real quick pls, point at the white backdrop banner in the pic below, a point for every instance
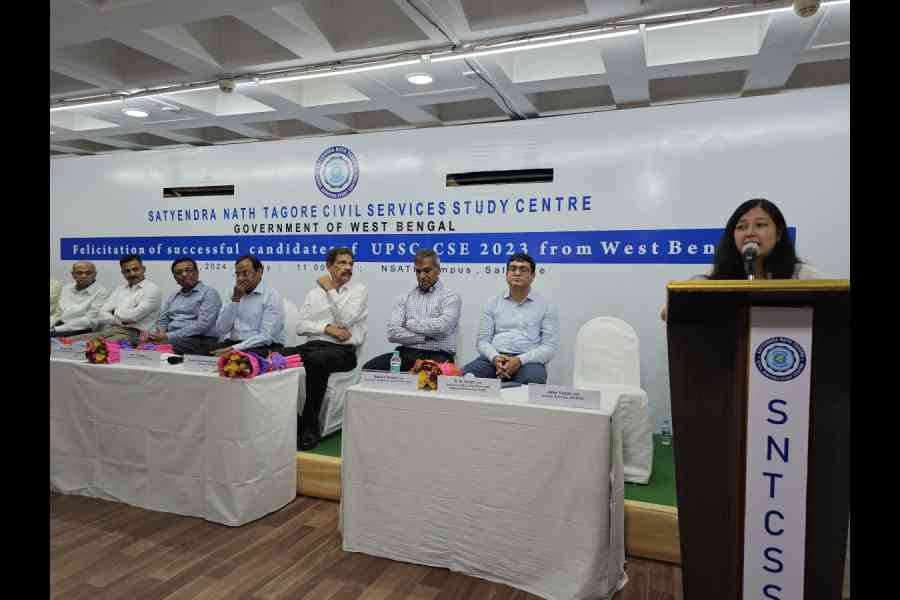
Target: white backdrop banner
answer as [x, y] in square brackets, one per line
[637, 198]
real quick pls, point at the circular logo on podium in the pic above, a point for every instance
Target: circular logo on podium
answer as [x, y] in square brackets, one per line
[780, 359]
[337, 172]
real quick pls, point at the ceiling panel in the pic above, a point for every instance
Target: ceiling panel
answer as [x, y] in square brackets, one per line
[127, 47]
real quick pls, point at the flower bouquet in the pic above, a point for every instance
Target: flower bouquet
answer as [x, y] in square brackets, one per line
[102, 352]
[429, 370]
[245, 365]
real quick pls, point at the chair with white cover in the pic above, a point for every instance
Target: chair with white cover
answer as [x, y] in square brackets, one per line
[331, 415]
[291, 317]
[607, 358]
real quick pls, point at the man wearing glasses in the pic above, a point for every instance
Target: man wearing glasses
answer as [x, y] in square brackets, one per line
[519, 330]
[254, 318]
[423, 321]
[188, 317]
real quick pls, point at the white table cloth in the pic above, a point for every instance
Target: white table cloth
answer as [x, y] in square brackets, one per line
[525, 495]
[633, 411]
[166, 439]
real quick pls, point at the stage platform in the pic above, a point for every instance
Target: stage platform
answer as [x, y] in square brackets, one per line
[651, 516]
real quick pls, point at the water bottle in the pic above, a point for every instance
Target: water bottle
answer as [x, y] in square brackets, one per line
[395, 362]
[666, 437]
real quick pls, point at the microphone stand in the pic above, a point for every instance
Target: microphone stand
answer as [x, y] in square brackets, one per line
[748, 266]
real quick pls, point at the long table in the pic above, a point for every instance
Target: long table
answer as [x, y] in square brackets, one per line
[633, 414]
[526, 495]
[171, 440]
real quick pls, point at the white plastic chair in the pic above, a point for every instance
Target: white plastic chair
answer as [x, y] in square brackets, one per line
[607, 358]
[291, 317]
[607, 351]
[331, 415]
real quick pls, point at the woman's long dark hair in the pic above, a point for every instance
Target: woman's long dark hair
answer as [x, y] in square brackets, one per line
[728, 263]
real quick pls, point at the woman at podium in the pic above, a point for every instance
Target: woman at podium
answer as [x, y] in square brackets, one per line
[756, 245]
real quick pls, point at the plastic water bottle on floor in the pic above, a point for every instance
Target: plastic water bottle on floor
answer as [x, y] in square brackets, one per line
[666, 438]
[395, 362]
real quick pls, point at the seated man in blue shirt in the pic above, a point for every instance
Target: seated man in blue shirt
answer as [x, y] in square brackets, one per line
[519, 330]
[254, 318]
[187, 319]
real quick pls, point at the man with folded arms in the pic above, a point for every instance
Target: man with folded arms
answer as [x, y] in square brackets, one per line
[253, 320]
[80, 302]
[423, 321]
[188, 317]
[131, 308]
[333, 319]
[519, 330]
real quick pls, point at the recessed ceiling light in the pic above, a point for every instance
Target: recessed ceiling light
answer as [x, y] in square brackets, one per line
[419, 78]
[133, 112]
[171, 109]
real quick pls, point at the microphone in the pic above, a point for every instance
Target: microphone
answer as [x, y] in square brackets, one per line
[750, 250]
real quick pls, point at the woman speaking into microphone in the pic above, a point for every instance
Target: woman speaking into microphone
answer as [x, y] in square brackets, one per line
[756, 245]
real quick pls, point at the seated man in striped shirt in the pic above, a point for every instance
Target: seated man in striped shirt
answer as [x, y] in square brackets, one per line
[423, 321]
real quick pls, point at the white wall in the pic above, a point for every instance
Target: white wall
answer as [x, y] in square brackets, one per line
[655, 172]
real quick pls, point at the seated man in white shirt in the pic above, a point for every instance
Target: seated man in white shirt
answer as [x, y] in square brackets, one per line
[55, 294]
[132, 307]
[80, 302]
[333, 319]
[253, 319]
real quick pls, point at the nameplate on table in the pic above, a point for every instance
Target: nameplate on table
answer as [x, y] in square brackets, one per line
[469, 386]
[390, 381]
[564, 396]
[201, 363]
[69, 351]
[140, 358]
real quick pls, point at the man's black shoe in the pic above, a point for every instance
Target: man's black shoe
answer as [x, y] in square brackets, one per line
[309, 440]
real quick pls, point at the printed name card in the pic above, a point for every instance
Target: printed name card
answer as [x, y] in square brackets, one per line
[469, 386]
[73, 351]
[564, 396]
[201, 363]
[391, 381]
[140, 358]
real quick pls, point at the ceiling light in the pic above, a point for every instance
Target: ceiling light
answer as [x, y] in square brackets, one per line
[168, 108]
[134, 112]
[537, 42]
[199, 88]
[333, 71]
[751, 13]
[419, 78]
[84, 104]
[52, 132]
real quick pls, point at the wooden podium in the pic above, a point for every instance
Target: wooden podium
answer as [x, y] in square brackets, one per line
[709, 360]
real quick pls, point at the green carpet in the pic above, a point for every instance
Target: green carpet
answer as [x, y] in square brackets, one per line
[329, 446]
[660, 489]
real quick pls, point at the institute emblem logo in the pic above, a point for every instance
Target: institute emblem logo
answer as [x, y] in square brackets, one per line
[337, 172]
[780, 359]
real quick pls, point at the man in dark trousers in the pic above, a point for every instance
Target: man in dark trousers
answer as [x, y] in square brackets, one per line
[333, 319]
